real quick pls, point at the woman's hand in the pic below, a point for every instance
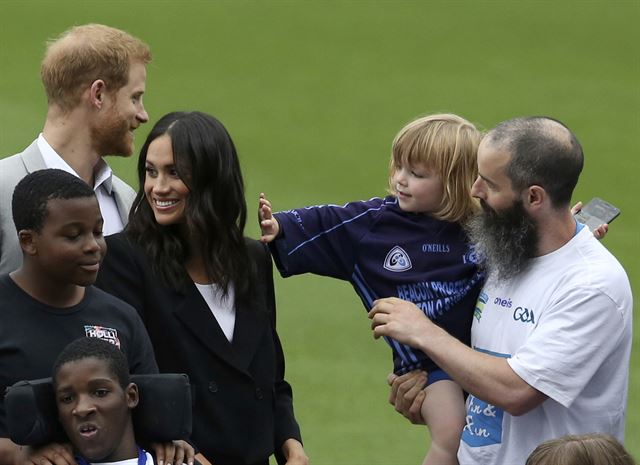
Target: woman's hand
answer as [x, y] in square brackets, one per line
[173, 453]
[294, 452]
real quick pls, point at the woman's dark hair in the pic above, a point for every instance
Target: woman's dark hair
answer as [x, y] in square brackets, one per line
[206, 161]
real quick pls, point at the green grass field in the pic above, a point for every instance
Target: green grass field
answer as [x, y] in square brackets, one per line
[313, 93]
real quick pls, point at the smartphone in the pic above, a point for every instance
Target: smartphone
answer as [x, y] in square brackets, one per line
[596, 212]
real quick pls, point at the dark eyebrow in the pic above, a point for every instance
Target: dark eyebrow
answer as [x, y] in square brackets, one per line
[488, 181]
[75, 226]
[101, 381]
[62, 389]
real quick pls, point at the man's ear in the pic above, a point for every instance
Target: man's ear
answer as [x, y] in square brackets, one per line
[132, 395]
[535, 197]
[97, 93]
[28, 243]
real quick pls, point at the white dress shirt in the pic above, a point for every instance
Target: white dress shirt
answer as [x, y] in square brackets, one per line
[102, 185]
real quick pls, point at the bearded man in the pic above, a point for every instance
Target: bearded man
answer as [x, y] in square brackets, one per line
[94, 77]
[551, 335]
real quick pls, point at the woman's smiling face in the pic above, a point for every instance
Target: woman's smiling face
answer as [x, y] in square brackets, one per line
[166, 193]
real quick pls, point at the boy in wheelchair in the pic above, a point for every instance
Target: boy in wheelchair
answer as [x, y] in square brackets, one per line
[95, 398]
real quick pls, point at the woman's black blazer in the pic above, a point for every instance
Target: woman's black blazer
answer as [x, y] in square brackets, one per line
[243, 407]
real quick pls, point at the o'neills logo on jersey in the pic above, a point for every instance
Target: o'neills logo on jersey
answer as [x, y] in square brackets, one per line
[397, 260]
[106, 334]
[436, 248]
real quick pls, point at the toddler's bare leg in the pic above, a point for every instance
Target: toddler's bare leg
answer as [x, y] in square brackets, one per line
[444, 412]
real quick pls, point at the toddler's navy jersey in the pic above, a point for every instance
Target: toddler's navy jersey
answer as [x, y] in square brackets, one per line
[386, 252]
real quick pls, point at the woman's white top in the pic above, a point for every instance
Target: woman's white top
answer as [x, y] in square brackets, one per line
[222, 307]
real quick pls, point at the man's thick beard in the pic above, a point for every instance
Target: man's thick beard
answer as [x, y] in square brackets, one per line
[112, 136]
[504, 241]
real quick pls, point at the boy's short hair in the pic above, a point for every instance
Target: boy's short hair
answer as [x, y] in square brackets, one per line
[83, 54]
[91, 347]
[30, 197]
[447, 144]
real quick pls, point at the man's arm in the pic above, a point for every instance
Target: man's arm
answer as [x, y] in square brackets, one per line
[485, 376]
[8, 452]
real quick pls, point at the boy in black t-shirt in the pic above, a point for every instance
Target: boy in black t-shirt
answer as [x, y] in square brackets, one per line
[49, 301]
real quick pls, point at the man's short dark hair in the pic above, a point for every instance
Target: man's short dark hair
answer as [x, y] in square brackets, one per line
[91, 347]
[544, 152]
[30, 197]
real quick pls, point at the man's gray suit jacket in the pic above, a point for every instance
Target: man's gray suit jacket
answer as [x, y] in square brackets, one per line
[12, 170]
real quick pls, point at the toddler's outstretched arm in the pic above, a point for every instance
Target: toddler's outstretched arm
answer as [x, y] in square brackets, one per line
[268, 224]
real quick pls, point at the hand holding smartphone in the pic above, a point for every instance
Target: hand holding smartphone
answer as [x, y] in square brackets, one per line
[597, 212]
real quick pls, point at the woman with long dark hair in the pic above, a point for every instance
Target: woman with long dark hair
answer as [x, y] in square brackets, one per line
[205, 292]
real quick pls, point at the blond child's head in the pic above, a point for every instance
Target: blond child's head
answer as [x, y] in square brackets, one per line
[435, 154]
[585, 449]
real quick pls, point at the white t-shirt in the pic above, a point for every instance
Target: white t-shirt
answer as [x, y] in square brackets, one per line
[565, 325]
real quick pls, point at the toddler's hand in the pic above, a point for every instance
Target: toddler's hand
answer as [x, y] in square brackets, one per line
[407, 394]
[268, 224]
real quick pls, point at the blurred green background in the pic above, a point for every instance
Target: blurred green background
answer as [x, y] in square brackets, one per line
[314, 92]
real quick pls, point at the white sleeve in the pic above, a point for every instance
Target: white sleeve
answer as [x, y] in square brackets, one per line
[571, 341]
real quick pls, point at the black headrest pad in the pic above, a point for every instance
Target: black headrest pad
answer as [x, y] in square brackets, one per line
[164, 412]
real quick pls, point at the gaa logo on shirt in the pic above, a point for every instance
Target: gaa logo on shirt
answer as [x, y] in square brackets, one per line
[106, 334]
[397, 260]
[524, 315]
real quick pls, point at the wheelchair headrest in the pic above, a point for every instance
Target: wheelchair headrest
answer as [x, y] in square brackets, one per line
[164, 411]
